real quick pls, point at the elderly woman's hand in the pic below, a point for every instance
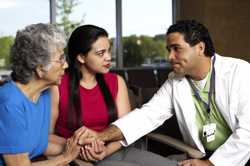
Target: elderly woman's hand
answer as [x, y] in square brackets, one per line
[93, 152]
[72, 148]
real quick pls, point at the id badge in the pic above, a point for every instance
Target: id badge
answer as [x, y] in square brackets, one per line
[209, 131]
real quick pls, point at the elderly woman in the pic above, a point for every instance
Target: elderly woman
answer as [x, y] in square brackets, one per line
[38, 62]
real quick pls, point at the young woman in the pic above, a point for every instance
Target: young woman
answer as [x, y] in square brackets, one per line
[90, 96]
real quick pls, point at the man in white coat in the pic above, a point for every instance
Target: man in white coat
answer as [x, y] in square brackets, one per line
[208, 93]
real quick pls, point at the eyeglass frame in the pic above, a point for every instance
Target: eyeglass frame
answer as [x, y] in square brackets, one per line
[61, 60]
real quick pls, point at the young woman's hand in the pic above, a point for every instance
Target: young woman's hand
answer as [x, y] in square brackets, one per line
[94, 152]
[195, 162]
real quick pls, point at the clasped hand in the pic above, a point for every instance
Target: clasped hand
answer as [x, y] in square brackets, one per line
[91, 149]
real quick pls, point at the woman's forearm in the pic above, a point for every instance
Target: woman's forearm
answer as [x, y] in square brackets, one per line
[57, 139]
[60, 160]
[54, 149]
[56, 145]
[23, 160]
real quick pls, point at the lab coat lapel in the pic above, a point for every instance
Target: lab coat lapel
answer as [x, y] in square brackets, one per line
[221, 92]
[184, 96]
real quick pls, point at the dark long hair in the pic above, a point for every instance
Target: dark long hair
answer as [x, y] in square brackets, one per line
[80, 42]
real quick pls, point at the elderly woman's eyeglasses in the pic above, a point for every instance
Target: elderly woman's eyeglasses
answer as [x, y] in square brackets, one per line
[61, 60]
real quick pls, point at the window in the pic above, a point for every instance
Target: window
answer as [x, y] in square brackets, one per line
[144, 26]
[15, 15]
[100, 13]
[142, 17]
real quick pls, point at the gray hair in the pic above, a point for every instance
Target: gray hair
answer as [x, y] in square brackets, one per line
[34, 46]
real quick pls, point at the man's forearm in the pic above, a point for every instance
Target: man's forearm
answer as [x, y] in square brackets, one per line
[112, 133]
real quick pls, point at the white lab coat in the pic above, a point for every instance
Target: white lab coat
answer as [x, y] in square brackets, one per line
[232, 88]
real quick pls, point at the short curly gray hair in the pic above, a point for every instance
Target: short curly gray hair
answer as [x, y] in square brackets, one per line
[33, 46]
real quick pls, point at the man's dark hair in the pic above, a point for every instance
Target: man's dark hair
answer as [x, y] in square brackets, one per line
[194, 32]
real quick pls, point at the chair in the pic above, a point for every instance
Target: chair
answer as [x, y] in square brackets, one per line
[121, 72]
[162, 75]
[142, 77]
[175, 143]
[168, 138]
[143, 83]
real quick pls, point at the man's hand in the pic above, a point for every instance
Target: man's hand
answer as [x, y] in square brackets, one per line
[86, 135]
[195, 162]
